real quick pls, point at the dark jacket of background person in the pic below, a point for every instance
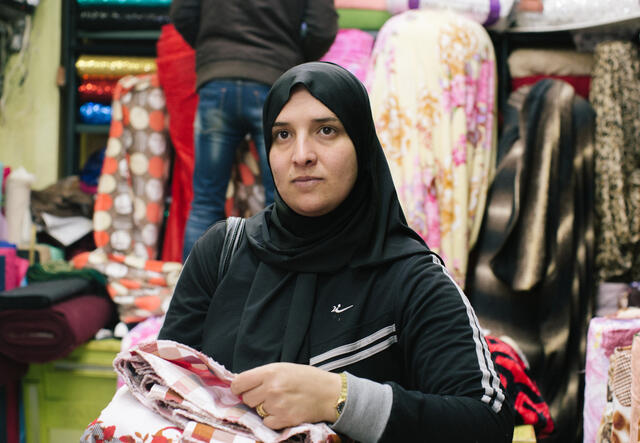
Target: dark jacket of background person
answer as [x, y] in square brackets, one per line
[254, 39]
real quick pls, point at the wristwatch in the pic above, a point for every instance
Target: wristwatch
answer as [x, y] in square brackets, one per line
[342, 400]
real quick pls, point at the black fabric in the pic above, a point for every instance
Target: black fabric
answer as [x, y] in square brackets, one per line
[110, 18]
[382, 307]
[43, 294]
[533, 265]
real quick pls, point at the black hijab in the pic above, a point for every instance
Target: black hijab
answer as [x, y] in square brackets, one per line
[367, 229]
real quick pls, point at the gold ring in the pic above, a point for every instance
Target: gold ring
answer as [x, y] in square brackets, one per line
[261, 412]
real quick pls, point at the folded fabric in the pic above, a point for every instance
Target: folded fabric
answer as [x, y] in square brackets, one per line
[581, 83]
[605, 334]
[527, 61]
[45, 293]
[192, 391]
[125, 419]
[522, 390]
[41, 335]
[635, 385]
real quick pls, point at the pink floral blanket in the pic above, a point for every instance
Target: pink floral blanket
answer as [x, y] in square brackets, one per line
[185, 391]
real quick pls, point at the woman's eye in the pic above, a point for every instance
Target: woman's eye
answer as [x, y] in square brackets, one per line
[281, 135]
[326, 130]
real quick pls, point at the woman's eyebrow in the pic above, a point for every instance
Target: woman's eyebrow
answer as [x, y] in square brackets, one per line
[315, 120]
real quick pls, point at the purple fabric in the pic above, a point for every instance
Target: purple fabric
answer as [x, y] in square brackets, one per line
[42, 335]
[494, 13]
[414, 4]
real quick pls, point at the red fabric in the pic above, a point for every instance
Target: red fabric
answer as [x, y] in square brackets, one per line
[581, 83]
[177, 73]
[11, 370]
[522, 391]
[42, 335]
[13, 418]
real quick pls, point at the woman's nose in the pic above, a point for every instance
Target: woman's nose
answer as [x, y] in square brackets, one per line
[304, 152]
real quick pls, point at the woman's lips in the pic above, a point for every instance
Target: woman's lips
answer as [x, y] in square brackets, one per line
[306, 181]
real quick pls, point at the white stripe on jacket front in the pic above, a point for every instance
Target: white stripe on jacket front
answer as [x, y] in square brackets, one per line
[360, 344]
[490, 380]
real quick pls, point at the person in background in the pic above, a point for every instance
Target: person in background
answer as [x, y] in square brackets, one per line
[242, 47]
[332, 309]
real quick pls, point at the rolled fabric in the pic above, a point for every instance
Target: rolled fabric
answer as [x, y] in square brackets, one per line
[351, 50]
[635, 388]
[379, 5]
[365, 19]
[43, 294]
[113, 67]
[485, 12]
[111, 18]
[124, 2]
[581, 84]
[42, 335]
[96, 90]
[18, 199]
[95, 113]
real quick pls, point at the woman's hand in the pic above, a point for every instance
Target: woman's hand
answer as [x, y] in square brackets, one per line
[289, 393]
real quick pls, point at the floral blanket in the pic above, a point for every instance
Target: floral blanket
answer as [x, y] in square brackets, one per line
[175, 393]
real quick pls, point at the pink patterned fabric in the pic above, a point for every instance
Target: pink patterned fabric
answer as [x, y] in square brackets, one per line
[378, 5]
[604, 336]
[144, 331]
[352, 50]
[190, 390]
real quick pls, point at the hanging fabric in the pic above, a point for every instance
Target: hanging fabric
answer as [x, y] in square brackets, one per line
[615, 96]
[532, 274]
[433, 92]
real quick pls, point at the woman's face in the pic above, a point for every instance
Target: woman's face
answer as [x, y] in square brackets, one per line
[312, 158]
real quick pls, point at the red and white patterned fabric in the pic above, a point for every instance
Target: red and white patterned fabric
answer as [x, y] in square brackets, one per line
[191, 391]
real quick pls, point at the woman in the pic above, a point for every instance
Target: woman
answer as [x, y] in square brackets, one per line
[330, 278]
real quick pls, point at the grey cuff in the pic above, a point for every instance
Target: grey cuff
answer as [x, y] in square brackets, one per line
[366, 411]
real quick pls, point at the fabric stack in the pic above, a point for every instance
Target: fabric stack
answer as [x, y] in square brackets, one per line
[185, 395]
[528, 66]
[99, 74]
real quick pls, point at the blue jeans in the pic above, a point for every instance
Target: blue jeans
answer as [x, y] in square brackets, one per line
[227, 111]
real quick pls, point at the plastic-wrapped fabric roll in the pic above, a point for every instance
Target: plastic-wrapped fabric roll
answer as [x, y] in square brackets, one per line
[365, 19]
[113, 67]
[148, 3]
[362, 4]
[17, 206]
[485, 12]
[95, 113]
[122, 18]
[96, 90]
[351, 50]
[635, 387]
